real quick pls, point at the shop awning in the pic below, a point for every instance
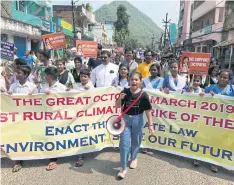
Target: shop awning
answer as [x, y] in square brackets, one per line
[224, 43]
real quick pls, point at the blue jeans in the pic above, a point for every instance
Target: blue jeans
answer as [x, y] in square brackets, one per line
[131, 138]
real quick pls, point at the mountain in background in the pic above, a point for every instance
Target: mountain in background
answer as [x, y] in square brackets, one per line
[141, 26]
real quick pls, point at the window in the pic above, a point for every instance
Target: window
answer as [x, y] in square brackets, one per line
[20, 5]
[221, 14]
[198, 3]
[204, 49]
[198, 49]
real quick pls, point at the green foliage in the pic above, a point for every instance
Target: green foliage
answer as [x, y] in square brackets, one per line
[140, 26]
[121, 25]
[88, 7]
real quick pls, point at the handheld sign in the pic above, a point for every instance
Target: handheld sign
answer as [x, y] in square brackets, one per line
[7, 51]
[194, 63]
[86, 48]
[54, 41]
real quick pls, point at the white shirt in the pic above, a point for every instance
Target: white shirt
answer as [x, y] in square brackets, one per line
[70, 65]
[57, 87]
[80, 87]
[103, 75]
[26, 88]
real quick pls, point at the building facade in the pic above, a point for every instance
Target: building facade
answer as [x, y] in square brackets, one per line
[84, 19]
[172, 33]
[100, 33]
[24, 22]
[184, 22]
[207, 25]
[65, 27]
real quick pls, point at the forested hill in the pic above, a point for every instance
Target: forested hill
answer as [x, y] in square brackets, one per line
[141, 26]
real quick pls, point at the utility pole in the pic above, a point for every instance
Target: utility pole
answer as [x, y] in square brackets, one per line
[152, 45]
[166, 31]
[74, 24]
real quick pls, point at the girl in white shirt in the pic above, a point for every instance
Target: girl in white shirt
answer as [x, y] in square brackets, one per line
[122, 79]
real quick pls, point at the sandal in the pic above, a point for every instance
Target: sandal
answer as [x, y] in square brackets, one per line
[51, 166]
[17, 167]
[133, 164]
[214, 168]
[196, 163]
[79, 162]
[122, 174]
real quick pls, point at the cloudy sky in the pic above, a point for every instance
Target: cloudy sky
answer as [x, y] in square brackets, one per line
[155, 9]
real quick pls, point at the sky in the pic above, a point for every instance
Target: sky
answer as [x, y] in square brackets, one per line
[155, 9]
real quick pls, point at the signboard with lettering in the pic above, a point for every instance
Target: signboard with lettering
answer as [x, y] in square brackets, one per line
[7, 51]
[15, 26]
[54, 41]
[86, 48]
[45, 26]
[194, 63]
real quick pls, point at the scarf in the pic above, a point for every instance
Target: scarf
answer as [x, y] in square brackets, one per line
[156, 85]
[180, 85]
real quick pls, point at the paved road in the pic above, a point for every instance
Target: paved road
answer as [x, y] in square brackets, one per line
[101, 168]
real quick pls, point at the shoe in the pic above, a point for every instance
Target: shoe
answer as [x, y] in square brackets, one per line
[133, 164]
[122, 174]
[196, 163]
[214, 168]
[144, 150]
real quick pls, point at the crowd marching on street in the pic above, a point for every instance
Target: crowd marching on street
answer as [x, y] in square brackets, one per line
[76, 74]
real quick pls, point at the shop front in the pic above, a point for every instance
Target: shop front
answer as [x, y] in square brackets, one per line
[24, 36]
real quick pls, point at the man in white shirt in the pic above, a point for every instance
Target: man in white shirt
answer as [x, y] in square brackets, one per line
[104, 74]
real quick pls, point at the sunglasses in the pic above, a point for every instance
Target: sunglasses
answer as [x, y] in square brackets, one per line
[104, 57]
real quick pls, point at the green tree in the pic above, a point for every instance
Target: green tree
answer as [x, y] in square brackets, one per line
[88, 7]
[121, 25]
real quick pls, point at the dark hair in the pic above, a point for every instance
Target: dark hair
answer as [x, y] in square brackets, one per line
[68, 53]
[106, 52]
[136, 73]
[61, 60]
[44, 53]
[158, 68]
[147, 51]
[122, 65]
[185, 58]
[78, 58]
[31, 52]
[20, 62]
[53, 72]
[174, 62]
[26, 70]
[197, 76]
[226, 71]
[85, 72]
[128, 49]
[212, 69]
[99, 46]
